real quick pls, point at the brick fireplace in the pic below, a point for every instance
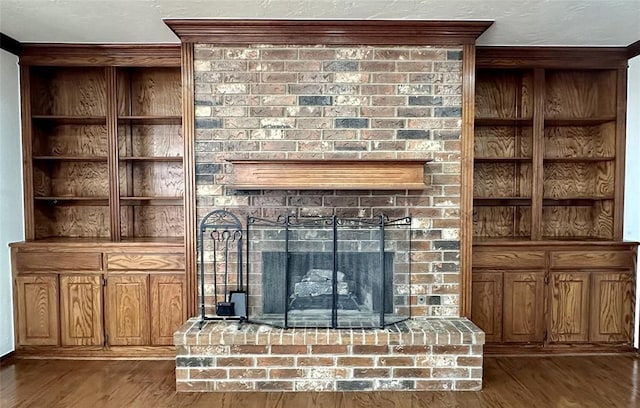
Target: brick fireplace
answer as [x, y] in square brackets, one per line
[290, 102]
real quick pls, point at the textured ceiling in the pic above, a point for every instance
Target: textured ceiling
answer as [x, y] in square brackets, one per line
[517, 22]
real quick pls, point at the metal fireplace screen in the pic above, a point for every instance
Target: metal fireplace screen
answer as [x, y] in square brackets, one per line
[328, 271]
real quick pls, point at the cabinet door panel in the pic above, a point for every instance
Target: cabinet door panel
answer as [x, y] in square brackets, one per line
[168, 309]
[37, 310]
[486, 305]
[128, 310]
[81, 310]
[523, 306]
[611, 307]
[569, 307]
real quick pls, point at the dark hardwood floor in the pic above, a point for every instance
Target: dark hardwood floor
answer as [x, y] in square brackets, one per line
[582, 381]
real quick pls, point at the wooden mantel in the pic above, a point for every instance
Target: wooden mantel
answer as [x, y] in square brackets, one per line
[328, 174]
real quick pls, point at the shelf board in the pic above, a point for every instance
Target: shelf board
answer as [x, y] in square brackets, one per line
[573, 201]
[152, 119]
[77, 200]
[501, 201]
[503, 121]
[72, 119]
[152, 200]
[72, 158]
[152, 158]
[329, 174]
[577, 159]
[501, 159]
[578, 121]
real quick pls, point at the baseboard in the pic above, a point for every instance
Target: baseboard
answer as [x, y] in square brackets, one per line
[7, 359]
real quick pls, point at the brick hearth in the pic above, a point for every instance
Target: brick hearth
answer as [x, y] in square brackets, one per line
[429, 354]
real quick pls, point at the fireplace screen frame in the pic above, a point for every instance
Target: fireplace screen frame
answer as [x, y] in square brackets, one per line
[285, 226]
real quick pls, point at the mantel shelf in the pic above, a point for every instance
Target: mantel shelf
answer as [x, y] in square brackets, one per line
[329, 174]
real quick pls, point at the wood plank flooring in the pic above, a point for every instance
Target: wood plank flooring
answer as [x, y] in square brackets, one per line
[581, 381]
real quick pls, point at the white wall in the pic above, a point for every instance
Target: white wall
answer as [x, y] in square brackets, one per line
[632, 176]
[11, 214]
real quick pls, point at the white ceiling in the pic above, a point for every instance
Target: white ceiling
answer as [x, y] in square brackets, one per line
[517, 22]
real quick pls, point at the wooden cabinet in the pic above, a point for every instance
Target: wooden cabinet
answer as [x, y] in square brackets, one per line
[103, 266]
[37, 310]
[579, 294]
[133, 296]
[103, 143]
[524, 307]
[569, 320]
[81, 310]
[548, 147]
[127, 310]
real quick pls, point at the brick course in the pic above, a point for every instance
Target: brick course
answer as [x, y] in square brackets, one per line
[431, 354]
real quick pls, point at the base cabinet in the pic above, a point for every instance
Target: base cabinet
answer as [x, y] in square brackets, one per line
[81, 310]
[36, 299]
[576, 295]
[127, 296]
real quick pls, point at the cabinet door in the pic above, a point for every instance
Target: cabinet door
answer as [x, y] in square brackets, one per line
[37, 310]
[523, 306]
[486, 305]
[127, 316]
[81, 310]
[569, 307]
[168, 309]
[611, 307]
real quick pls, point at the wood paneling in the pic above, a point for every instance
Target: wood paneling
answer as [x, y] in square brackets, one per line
[86, 221]
[168, 307]
[593, 141]
[154, 179]
[147, 141]
[569, 308]
[504, 94]
[153, 91]
[100, 54]
[486, 309]
[148, 221]
[570, 180]
[37, 310]
[145, 262]
[509, 259]
[127, 310]
[502, 180]
[346, 32]
[612, 303]
[502, 141]
[580, 94]
[592, 259]
[46, 261]
[68, 92]
[329, 174]
[81, 310]
[66, 140]
[523, 307]
[71, 179]
[579, 222]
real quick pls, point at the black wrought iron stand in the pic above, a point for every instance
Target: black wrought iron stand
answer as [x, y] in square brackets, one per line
[224, 230]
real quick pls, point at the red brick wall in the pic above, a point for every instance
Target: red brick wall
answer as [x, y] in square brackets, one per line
[334, 102]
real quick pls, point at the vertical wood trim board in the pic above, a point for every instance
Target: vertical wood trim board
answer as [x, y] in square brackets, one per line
[537, 153]
[112, 153]
[188, 131]
[466, 193]
[27, 149]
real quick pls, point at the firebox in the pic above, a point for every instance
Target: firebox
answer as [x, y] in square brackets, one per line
[329, 271]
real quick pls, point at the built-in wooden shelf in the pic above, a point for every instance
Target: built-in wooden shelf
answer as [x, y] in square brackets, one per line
[494, 121]
[328, 174]
[501, 159]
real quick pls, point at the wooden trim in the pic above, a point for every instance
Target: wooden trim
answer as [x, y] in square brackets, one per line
[466, 181]
[633, 50]
[27, 152]
[621, 125]
[551, 57]
[339, 32]
[7, 359]
[100, 54]
[113, 153]
[10, 44]
[97, 352]
[539, 96]
[328, 174]
[188, 132]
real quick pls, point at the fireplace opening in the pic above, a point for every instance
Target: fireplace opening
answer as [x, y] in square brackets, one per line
[329, 271]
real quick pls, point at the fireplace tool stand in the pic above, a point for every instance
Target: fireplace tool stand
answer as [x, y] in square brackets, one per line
[223, 232]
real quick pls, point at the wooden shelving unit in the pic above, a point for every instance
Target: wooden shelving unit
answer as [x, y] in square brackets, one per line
[104, 179]
[548, 180]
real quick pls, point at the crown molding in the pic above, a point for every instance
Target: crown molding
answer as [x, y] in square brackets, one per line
[328, 32]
